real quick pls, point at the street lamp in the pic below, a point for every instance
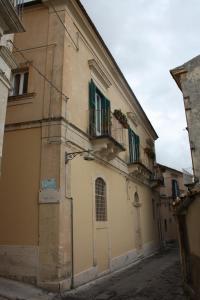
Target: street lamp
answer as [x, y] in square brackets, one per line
[88, 155]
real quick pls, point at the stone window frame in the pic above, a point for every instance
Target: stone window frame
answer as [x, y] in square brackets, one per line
[23, 88]
[101, 200]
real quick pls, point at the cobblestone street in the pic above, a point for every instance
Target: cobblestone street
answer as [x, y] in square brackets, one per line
[155, 278]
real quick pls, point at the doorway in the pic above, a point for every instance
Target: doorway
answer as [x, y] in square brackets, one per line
[138, 232]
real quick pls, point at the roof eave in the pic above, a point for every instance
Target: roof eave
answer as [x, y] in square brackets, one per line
[116, 65]
[176, 74]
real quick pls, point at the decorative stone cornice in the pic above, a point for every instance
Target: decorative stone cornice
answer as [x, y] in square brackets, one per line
[177, 73]
[99, 72]
[133, 117]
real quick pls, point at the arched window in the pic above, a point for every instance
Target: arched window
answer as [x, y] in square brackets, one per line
[136, 198]
[100, 200]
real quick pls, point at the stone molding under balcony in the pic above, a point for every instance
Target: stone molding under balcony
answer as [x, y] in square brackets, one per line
[139, 170]
[106, 147]
[9, 19]
[156, 180]
[4, 79]
[8, 57]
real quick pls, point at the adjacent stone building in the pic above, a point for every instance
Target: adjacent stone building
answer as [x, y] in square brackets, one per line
[9, 23]
[187, 209]
[172, 188]
[78, 178]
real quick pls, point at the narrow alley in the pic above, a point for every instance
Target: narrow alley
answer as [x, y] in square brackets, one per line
[155, 278]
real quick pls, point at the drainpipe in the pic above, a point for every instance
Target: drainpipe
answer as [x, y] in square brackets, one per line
[72, 240]
[72, 230]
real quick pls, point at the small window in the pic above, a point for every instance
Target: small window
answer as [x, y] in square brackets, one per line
[175, 189]
[100, 200]
[153, 208]
[165, 225]
[19, 83]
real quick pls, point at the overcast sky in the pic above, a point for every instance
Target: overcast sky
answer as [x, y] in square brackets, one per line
[147, 39]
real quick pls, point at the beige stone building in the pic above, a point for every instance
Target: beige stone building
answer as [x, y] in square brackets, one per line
[65, 221]
[187, 209]
[9, 24]
[171, 188]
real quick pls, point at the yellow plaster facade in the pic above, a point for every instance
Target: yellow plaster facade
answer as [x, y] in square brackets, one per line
[49, 233]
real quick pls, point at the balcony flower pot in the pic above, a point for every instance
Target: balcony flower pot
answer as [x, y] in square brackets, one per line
[121, 117]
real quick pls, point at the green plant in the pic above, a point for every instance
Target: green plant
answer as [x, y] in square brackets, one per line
[121, 117]
[150, 152]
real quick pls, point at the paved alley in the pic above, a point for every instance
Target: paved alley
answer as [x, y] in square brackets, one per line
[155, 278]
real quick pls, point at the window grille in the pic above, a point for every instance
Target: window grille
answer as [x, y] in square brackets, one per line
[100, 199]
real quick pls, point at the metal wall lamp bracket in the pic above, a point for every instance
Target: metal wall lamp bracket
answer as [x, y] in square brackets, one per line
[70, 156]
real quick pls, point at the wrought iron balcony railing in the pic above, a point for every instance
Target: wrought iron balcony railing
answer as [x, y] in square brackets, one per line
[104, 124]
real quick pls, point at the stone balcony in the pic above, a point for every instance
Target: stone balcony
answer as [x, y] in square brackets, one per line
[139, 170]
[107, 136]
[156, 179]
[10, 11]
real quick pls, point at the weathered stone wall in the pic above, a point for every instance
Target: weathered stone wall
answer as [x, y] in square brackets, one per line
[193, 225]
[195, 274]
[187, 77]
[190, 85]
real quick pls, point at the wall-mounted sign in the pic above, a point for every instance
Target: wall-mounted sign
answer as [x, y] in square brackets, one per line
[49, 196]
[49, 184]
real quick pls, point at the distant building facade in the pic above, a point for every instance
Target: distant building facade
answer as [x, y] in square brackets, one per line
[187, 78]
[171, 189]
[9, 24]
[73, 219]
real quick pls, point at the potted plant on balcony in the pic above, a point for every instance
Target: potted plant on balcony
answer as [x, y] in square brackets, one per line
[121, 117]
[150, 152]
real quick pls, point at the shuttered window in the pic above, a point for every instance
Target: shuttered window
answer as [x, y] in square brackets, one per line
[134, 146]
[99, 112]
[175, 189]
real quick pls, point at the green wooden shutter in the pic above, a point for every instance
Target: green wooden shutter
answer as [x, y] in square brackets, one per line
[131, 150]
[137, 147]
[92, 92]
[134, 146]
[105, 116]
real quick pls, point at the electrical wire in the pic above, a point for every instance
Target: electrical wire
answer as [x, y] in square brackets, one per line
[39, 72]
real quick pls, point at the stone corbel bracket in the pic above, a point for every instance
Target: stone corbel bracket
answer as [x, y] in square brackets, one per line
[106, 148]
